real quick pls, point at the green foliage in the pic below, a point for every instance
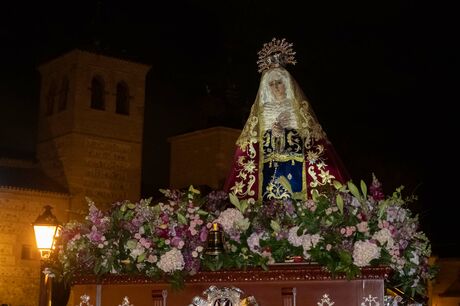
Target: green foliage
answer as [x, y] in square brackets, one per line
[341, 227]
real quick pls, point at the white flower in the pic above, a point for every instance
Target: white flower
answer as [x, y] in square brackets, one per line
[315, 239]
[355, 202]
[384, 236]
[268, 255]
[242, 225]
[230, 218]
[362, 227]
[47, 271]
[307, 241]
[139, 250]
[310, 241]
[171, 261]
[254, 242]
[293, 238]
[416, 281]
[415, 258]
[364, 252]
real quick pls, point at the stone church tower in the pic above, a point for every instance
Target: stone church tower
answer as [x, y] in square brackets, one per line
[90, 126]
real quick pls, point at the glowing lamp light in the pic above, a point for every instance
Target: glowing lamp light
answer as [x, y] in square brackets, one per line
[46, 228]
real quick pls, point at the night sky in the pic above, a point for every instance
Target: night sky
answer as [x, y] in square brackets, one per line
[378, 74]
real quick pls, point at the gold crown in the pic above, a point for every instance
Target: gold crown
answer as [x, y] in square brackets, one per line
[275, 53]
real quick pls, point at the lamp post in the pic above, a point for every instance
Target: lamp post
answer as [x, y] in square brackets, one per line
[46, 228]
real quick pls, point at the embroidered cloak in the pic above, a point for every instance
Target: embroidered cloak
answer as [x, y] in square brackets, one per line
[282, 149]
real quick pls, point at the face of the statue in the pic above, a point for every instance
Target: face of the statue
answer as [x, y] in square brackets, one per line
[278, 89]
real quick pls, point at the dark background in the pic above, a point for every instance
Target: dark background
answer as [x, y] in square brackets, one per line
[380, 76]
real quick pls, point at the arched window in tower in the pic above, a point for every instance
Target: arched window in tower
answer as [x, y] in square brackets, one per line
[122, 103]
[50, 99]
[97, 93]
[63, 94]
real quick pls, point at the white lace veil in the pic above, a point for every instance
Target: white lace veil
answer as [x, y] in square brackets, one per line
[307, 124]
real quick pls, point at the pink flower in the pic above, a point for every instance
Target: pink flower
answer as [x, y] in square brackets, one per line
[145, 243]
[152, 258]
[204, 234]
[165, 218]
[95, 236]
[362, 227]
[347, 231]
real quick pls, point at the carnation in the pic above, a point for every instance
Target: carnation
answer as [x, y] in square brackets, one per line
[364, 252]
[171, 261]
[170, 237]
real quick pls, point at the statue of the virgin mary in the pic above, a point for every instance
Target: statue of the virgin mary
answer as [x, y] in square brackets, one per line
[282, 150]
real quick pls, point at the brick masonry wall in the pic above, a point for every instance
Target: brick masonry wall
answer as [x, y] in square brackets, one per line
[19, 257]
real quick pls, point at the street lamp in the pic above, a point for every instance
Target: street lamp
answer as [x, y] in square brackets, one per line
[46, 229]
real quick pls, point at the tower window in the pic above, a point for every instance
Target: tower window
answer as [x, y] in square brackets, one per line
[50, 98]
[97, 93]
[122, 102]
[63, 95]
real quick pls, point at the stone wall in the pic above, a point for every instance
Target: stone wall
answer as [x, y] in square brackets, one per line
[446, 282]
[104, 170]
[91, 152]
[95, 153]
[19, 257]
[202, 157]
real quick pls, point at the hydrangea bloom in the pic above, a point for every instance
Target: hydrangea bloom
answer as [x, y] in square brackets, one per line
[364, 252]
[171, 261]
[346, 228]
[233, 222]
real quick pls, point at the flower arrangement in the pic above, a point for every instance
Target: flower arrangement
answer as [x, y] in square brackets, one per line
[341, 227]
[154, 240]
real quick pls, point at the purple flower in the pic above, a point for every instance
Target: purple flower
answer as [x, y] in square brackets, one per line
[192, 264]
[175, 241]
[203, 234]
[95, 236]
[216, 201]
[376, 190]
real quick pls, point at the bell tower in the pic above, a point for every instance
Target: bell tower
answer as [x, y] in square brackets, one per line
[90, 126]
